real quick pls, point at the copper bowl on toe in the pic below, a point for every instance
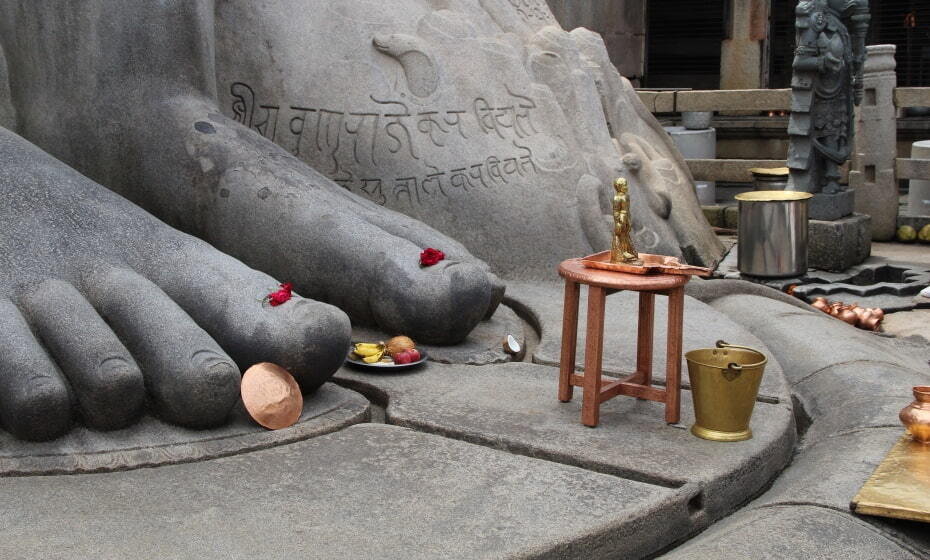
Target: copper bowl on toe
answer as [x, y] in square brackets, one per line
[271, 396]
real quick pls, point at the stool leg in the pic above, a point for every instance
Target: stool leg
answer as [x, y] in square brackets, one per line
[676, 311]
[569, 340]
[593, 350]
[644, 338]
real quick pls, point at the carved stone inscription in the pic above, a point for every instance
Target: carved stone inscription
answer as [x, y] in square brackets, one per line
[533, 10]
[347, 141]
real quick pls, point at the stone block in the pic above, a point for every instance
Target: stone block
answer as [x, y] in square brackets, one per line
[857, 394]
[779, 532]
[909, 323]
[152, 442]
[797, 337]
[830, 472]
[658, 101]
[879, 200]
[709, 290]
[714, 215]
[514, 407]
[731, 217]
[825, 206]
[739, 99]
[839, 244]
[370, 491]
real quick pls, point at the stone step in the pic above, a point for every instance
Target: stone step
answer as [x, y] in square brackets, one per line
[369, 491]
[152, 442]
[514, 407]
[792, 531]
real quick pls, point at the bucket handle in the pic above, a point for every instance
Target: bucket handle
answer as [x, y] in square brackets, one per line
[736, 367]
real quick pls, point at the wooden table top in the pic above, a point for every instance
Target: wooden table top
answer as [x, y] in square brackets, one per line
[573, 270]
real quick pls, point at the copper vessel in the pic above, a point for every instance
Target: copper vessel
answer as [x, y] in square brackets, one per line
[916, 416]
[271, 396]
[863, 317]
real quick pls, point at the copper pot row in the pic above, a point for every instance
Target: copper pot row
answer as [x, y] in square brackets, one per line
[867, 318]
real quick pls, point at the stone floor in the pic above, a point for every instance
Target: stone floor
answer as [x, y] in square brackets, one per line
[458, 460]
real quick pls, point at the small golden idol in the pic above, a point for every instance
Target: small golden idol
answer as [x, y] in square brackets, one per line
[622, 249]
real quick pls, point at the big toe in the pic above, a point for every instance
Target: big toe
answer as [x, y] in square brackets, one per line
[306, 337]
[438, 304]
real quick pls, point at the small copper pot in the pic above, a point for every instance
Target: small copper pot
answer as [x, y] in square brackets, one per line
[868, 320]
[849, 316]
[822, 304]
[916, 416]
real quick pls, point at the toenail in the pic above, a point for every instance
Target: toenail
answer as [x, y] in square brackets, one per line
[205, 127]
[208, 359]
[113, 363]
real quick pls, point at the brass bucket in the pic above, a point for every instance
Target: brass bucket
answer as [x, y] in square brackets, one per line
[724, 385]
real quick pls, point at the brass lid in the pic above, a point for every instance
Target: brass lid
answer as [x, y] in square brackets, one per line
[773, 196]
[777, 171]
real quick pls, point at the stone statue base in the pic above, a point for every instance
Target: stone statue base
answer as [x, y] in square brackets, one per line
[835, 245]
[831, 206]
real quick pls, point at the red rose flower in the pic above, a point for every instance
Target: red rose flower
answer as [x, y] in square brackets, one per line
[281, 296]
[431, 256]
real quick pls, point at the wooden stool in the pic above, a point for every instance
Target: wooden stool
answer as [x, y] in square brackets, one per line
[597, 389]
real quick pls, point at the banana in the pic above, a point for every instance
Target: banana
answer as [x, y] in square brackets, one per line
[374, 358]
[365, 349]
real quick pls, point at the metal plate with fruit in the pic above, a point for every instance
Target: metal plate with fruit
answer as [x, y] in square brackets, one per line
[398, 353]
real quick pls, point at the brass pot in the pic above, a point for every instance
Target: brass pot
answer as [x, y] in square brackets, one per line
[724, 385]
[916, 416]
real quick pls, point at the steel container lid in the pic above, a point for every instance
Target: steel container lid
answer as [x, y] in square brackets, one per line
[773, 196]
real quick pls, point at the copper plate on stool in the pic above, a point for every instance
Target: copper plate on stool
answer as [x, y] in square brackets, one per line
[900, 486]
[651, 264]
[271, 396]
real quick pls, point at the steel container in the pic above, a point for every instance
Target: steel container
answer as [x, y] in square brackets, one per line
[772, 233]
[724, 385]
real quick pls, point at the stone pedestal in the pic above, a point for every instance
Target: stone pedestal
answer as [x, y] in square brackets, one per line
[872, 170]
[839, 244]
[831, 206]
[918, 196]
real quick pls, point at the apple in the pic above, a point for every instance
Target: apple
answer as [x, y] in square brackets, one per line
[402, 357]
[406, 356]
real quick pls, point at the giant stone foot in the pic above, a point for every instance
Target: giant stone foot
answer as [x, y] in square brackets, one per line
[482, 118]
[149, 127]
[104, 308]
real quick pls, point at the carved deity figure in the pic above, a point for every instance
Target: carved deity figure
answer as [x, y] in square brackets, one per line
[827, 82]
[622, 249]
